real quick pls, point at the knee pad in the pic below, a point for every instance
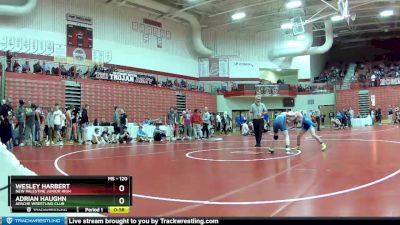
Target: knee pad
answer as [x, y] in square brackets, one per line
[276, 137]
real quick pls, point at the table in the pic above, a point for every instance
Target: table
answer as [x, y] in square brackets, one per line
[361, 122]
[132, 129]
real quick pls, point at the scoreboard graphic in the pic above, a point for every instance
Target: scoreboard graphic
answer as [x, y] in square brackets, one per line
[79, 45]
[93, 194]
[79, 36]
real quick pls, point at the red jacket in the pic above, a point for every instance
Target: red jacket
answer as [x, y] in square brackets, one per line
[196, 118]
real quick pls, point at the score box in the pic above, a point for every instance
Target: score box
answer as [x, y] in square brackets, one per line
[68, 192]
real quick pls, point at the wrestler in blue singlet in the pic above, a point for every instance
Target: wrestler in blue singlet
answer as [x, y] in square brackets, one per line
[280, 123]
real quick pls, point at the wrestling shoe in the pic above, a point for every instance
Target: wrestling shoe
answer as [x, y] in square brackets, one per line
[297, 148]
[289, 151]
[271, 150]
[323, 146]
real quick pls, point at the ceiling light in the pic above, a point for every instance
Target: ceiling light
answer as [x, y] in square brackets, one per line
[337, 18]
[278, 69]
[386, 13]
[286, 26]
[293, 4]
[238, 15]
[300, 37]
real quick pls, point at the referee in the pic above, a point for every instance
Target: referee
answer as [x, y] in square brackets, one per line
[257, 110]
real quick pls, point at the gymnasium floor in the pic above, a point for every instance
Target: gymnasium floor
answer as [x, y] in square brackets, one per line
[356, 176]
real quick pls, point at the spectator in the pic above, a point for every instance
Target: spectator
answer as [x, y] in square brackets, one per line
[58, 118]
[108, 138]
[83, 123]
[74, 120]
[187, 124]
[197, 121]
[21, 122]
[26, 68]
[206, 123]
[38, 122]
[172, 121]
[159, 135]
[50, 126]
[141, 135]
[390, 114]
[37, 68]
[5, 125]
[97, 138]
[46, 68]
[123, 119]
[9, 57]
[125, 137]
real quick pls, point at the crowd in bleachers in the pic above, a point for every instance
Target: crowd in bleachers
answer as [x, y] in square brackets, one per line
[68, 71]
[373, 72]
[332, 74]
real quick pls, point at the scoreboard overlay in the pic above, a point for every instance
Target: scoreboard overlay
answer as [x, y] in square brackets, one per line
[98, 194]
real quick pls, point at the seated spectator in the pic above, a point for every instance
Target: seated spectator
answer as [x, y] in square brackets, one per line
[37, 68]
[63, 71]
[17, 68]
[97, 138]
[46, 68]
[26, 68]
[245, 129]
[159, 135]
[107, 137]
[55, 71]
[141, 135]
[125, 137]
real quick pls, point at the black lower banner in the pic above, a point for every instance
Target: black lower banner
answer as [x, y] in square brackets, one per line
[241, 220]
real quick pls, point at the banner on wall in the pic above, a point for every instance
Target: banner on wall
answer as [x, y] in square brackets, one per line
[203, 67]
[390, 81]
[79, 44]
[213, 67]
[242, 68]
[60, 53]
[127, 77]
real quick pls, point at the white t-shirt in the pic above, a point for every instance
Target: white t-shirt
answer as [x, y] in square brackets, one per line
[373, 77]
[58, 116]
[218, 118]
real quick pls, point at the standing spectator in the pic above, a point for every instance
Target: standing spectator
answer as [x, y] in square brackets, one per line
[373, 116]
[38, 122]
[75, 120]
[390, 114]
[351, 115]
[5, 125]
[323, 119]
[224, 123]
[83, 123]
[116, 119]
[317, 115]
[171, 118]
[58, 117]
[197, 121]
[206, 123]
[379, 116]
[331, 116]
[9, 57]
[68, 123]
[218, 121]
[50, 126]
[123, 120]
[30, 123]
[187, 124]
[21, 122]
[257, 110]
